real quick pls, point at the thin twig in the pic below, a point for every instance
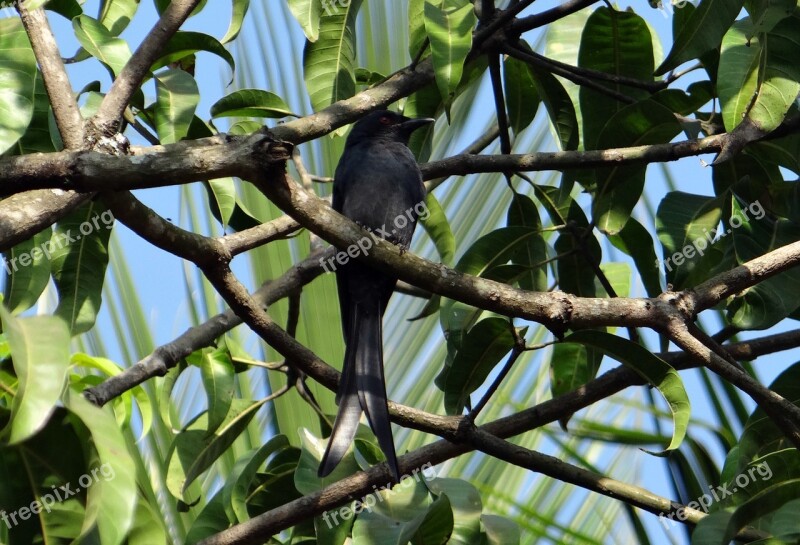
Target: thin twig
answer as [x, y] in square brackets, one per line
[567, 74]
[133, 73]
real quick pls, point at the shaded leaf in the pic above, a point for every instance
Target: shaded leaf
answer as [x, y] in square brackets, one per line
[18, 66]
[80, 257]
[483, 348]
[250, 103]
[650, 367]
[702, 32]
[40, 352]
[522, 97]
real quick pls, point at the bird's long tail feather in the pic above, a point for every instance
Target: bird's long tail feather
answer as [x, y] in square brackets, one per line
[362, 388]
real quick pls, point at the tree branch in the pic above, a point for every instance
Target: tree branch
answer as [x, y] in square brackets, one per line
[106, 120]
[56, 82]
[546, 17]
[568, 473]
[784, 413]
[222, 155]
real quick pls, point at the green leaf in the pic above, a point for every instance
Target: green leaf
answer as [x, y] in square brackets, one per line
[250, 103]
[38, 137]
[113, 52]
[224, 191]
[330, 62]
[209, 521]
[485, 254]
[147, 526]
[416, 26]
[771, 300]
[69, 9]
[449, 28]
[759, 78]
[438, 228]
[116, 15]
[738, 74]
[240, 8]
[307, 13]
[368, 77]
[686, 225]
[560, 109]
[28, 267]
[466, 504]
[110, 501]
[575, 274]
[194, 452]
[618, 43]
[40, 352]
[571, 366]
[637, 242]
[779, 77]
[184, 43]
[686, 102]
[765, 14]
[483, 348]
[702, 32]
[563, 44]
[650, 367]
[80, 257]
[239, 485]
[619, 276]
[731, 522]
[533, 254]
[522, 97]
[500, 530]
[493, 249]
[177, 97]
[18, 65]
[216, 370]
[619, 188]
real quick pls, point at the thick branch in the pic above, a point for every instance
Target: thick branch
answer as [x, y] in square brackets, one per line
[784, 413]
[56, 82]
[222, 155]
[722, 286]
[25, 214]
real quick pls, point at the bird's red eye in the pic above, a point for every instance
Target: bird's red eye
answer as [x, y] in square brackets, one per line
[385, 120]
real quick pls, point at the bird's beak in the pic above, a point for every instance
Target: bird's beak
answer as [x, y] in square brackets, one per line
[411, 125]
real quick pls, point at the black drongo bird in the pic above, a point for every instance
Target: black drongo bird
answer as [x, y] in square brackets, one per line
[379, 186]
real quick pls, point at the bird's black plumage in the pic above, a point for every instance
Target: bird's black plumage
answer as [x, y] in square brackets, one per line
[376, 182]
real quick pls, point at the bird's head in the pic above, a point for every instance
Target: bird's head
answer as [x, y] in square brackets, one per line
[386, 125]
